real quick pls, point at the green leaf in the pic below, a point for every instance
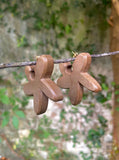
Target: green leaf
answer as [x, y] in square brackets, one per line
[105, 87]
[1, 16]
[109, 95]
[101, 98]
[38, 24]
[101, 131]
[12, 100]
[117, 109]
[0, 140]
[5, 121]
[95, 135]
[102, 120]
[4, 99]
[68, 29]
[5, 114]
[62, 114]
[22, 41]
[102, 78]
[2, 91]
[15, 108]
[15, 122]
[24, 101]
[113, 84]
[46, 134]
[20, 114]
[116, 92]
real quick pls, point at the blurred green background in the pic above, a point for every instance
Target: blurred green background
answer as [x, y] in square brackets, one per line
[56, 27]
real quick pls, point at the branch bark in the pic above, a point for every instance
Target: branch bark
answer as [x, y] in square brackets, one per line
[22, 64]
[114, 45]
[116, 6]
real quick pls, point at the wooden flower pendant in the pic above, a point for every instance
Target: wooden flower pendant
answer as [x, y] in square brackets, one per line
[40, 85]
[75, 77]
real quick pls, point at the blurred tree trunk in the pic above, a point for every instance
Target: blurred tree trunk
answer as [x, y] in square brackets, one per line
[114, 46]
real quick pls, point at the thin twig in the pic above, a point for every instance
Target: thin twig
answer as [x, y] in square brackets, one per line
[10, 147]
[22, 64]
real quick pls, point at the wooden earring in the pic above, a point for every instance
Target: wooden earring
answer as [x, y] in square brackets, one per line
[40, 85]
[75, 77]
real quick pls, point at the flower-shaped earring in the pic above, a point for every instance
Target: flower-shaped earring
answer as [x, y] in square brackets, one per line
[40, 85]
[75, 77]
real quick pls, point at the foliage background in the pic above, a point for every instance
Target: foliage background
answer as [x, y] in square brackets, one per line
[30, 28]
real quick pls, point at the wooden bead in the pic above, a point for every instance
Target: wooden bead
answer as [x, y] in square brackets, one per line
[40, 85]
[75, 77]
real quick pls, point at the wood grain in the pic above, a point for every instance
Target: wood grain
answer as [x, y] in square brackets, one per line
[40, 85]
[75, 77]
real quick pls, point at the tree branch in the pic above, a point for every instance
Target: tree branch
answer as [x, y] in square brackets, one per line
[116, 6]
[10, 147]
[22, 64]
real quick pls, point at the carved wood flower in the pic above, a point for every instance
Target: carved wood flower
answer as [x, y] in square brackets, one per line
[40, 85]
[75, 77]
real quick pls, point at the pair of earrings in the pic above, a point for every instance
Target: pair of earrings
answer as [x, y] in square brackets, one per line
[74, 77]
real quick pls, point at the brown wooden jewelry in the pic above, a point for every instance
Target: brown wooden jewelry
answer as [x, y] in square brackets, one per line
[75, 77]
[40, 85]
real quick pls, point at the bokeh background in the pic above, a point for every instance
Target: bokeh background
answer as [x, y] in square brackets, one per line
[29, 28]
